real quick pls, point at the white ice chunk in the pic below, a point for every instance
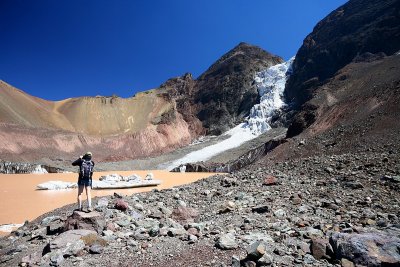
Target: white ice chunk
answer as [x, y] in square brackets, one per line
[56, 185]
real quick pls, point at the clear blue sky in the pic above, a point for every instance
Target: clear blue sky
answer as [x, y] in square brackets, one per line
[55, 49]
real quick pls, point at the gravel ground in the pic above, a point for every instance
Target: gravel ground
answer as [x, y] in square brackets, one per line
[287, 206]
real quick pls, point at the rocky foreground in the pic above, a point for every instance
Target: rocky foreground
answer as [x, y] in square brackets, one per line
[320, 211]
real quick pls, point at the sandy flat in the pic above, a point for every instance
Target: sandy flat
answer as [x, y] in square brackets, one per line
[20, 201]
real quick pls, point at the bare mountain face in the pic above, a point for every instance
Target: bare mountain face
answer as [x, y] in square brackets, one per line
[346, 84]
[359, 31]
[356, 28]
[113, 128]
[226, 91]
[151, 123]
[224, 94]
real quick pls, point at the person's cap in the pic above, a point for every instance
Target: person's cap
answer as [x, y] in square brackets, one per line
[88, 153]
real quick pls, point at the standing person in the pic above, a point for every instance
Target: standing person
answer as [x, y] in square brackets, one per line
[86, 166]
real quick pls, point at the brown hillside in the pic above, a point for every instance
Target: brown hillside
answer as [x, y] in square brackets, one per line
[358, 110]
[86, 115]
[113, 128]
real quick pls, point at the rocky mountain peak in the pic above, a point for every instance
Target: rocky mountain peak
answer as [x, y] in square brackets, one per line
[239, 59]
[357, 27]
[225, 92]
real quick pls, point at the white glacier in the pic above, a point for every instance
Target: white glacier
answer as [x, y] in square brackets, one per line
[271, 85]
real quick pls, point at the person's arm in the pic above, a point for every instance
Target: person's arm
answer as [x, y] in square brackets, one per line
[91, 174]
[77, 162]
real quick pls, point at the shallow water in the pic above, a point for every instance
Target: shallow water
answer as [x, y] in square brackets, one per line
[20, 201]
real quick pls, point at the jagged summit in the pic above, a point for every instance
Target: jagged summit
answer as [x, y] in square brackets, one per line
[226, 91]
[239, 58]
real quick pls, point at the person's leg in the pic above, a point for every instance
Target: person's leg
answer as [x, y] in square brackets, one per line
[89, 197]
[80, 191]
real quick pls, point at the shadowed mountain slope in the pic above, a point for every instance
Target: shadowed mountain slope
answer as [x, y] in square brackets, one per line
[226, 91]
[356, 28]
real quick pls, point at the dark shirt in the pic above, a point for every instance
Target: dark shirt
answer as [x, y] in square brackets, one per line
[78, 162]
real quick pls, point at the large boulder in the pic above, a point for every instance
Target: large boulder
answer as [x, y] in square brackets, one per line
[185, 215]
[226, 242]
[367, 249]
[69, 237]
[81, 220]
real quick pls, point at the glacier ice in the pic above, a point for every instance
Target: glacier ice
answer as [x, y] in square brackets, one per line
[271, 85]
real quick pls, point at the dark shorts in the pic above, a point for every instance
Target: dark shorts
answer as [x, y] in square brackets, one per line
[85, 182]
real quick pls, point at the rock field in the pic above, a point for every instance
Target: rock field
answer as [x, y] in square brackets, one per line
[340, 210]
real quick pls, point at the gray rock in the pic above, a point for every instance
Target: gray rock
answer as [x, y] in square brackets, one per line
[132, 243]
[56, 258]
[108, 233]
[167, 212]
[256, 250]
[54, 228]
[235, 261]
[31, 259]
[136, 215]
[147, 223]
[82, 220]
[280, 213]
[176, 231]
[123, 222]
[226, 242]
[74, 249]
[50, 219]
[266, 260]
[249, 263]
[354, 185]
[309, 259]
[310, 232]
[139, 206]
[370, 249]
[102, 202]
[69, 237]
[321, 249]
[255, 236]
[192, 239]
[96, 249]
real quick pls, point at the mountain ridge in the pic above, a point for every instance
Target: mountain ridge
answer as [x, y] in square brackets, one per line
[155, 114]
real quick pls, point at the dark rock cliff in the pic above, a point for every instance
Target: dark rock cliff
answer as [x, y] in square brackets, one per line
[225, 93]
[354, 29]
[359, 31]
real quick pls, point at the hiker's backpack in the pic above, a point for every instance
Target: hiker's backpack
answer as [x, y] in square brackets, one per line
[86, 168]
